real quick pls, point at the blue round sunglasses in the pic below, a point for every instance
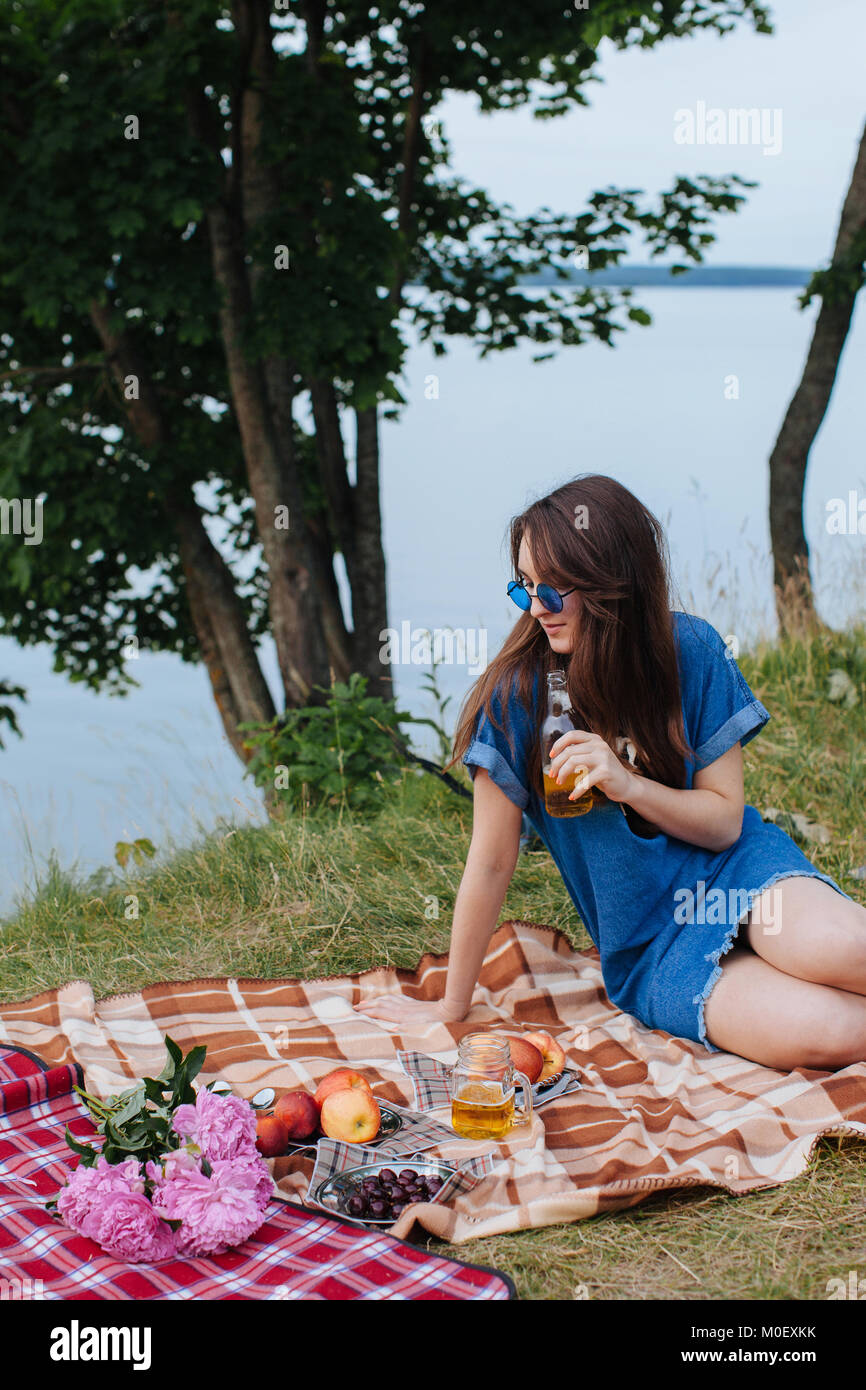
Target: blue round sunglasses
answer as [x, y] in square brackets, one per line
[550, 598]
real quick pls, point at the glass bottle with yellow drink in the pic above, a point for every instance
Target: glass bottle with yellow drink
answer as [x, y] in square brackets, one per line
[557, 723]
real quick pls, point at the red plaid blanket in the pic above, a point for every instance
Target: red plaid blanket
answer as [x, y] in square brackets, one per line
[296, 1254]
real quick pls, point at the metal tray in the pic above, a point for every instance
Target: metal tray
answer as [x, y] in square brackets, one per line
[335, 1190]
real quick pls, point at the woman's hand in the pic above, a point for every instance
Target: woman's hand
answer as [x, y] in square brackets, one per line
[396, 1008]
[604, 769]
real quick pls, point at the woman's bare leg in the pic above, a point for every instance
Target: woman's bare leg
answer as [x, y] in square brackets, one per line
[804, 927]
[780, 1021]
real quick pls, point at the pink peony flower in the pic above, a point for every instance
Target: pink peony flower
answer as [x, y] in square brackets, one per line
[79, 1200]
[172, 1163]
[261, 1180]
[222, 1126]
[127, 1227]
[216, 1212]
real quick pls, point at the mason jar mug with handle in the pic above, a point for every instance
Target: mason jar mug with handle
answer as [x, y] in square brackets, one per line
[483, 1089]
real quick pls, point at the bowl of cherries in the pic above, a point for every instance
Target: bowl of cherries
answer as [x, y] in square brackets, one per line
[378, 1193]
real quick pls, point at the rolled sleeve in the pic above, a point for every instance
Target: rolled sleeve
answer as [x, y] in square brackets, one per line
[503, 751]
[722, 709]
[480, 754]
[740, 728]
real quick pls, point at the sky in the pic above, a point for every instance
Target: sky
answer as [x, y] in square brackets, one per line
[811, 70]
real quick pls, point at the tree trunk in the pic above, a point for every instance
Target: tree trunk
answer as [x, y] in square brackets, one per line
[369, 594]
[239, 687]
[339, 640]
[296, 621]
[792, 582]
[296, 617]
[240, 690]
[355, 511]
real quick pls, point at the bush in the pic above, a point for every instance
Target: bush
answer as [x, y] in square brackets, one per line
[350, 748]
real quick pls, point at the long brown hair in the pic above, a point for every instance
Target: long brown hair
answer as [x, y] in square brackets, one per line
[594, 535]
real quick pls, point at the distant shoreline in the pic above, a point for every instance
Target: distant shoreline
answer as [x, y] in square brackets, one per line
[696, 277]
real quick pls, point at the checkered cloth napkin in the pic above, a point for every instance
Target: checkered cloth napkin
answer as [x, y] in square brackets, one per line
[417, 1132]
[334, 1156]
[431, 1081]
[297, 1253]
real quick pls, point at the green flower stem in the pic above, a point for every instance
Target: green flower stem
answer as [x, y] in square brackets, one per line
[94, 1103]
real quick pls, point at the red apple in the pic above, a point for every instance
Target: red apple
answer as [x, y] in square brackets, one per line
[526, 1057]
[271, 1136]
[299, 1113]
[551, 1052]
[351, 1115]
[341, 1080]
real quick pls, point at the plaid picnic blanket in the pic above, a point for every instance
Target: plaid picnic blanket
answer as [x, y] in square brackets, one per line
[652, 1112]
[295, 1254]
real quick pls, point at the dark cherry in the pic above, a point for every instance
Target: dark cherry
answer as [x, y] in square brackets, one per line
[397, 1208]
[356, 1206]
[377, 1208]
[386, 1175]
[407, 1175]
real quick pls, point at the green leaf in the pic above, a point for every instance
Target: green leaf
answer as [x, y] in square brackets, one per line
[172, 1062]
[88, 1154]
[194, 1062]
[134, 1104]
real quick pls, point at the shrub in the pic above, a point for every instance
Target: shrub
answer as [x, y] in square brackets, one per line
[350, 747]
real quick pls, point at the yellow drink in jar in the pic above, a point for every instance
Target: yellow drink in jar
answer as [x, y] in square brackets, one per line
[481, 1111]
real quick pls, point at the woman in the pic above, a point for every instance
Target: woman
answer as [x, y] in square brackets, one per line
[710, 922]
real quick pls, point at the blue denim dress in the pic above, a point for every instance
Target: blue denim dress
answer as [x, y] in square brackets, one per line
[661, 912]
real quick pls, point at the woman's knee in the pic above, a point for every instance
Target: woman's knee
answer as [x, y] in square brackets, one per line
[840, 1041]
[818, 938]
[767, 1016]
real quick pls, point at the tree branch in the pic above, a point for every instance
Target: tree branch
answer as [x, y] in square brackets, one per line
[59, 371]
[412, 135]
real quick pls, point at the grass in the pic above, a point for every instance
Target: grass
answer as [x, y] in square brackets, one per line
[328, 893]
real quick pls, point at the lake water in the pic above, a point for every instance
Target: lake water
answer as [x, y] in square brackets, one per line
[684, 413]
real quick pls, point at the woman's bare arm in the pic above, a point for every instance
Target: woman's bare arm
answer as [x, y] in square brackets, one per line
[709, 813]
[489, 866]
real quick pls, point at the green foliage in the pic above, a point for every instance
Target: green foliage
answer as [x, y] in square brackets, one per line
[8, 714]
[137, 1123]
[140, 850]
[842, 280]
[344, 751]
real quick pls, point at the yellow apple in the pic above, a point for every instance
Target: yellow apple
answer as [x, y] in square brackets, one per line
[352, 1115]
[342, 1079]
